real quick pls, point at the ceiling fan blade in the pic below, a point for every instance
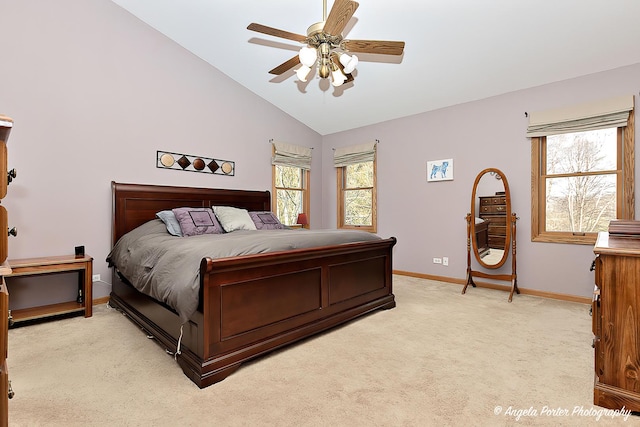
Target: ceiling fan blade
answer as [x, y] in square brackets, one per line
[341, 13]
[285, 66]
[276, 32]
[383, 47]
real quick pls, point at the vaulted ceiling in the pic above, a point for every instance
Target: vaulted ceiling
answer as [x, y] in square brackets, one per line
[456, 50]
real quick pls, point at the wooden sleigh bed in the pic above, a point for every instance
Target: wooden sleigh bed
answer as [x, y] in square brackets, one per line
[249, 305]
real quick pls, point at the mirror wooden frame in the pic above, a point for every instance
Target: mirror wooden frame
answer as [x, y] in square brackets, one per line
[510, 238]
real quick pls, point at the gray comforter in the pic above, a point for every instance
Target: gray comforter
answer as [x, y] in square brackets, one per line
[167, 268]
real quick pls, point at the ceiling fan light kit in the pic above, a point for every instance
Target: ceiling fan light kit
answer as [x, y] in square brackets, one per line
[325, 47]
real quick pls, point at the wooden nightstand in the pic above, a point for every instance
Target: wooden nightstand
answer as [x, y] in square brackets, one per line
[51, 265]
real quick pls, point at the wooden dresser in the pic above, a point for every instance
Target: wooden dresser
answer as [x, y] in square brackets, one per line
[616, 322]
[4, 335]
[5, 385]
[494, 210]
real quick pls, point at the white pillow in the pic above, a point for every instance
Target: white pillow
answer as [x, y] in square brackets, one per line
[233, 218]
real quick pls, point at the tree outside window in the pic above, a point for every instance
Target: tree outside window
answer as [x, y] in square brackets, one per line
[582, 169]
[582, 183]
[290, 191]
[581, 176]
[357, 204]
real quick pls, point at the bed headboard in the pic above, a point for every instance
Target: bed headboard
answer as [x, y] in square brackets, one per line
[135, 204]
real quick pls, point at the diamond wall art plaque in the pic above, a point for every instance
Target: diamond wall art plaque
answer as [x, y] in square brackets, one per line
[190, 163]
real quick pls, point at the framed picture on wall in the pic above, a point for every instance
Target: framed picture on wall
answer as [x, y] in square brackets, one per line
[440, 170]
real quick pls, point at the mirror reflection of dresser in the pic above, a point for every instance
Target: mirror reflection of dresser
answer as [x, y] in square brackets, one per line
[491, 229]
[493, 209]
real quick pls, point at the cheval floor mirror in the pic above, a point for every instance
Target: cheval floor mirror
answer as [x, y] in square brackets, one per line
[491, 230]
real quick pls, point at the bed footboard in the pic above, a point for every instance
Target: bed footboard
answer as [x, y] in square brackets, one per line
[254, 304]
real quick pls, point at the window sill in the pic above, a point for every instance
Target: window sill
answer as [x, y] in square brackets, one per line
[586, 239]
[358, 227]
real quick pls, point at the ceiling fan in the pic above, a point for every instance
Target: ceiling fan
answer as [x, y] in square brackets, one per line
[325, 46]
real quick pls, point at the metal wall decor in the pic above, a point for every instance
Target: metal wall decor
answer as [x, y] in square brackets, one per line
[190, 163]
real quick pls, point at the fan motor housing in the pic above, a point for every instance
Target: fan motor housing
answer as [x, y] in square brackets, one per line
[315, 29]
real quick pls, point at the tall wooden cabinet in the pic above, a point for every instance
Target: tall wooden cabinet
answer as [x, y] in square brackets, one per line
[4, 334]
[5, 385]
[616, 321]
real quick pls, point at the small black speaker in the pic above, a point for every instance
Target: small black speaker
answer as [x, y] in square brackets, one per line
[79, 251]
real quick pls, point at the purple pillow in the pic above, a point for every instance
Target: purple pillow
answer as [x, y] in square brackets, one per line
[266, 221]
[196, 221]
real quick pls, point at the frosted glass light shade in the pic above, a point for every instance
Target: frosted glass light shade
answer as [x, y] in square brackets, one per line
[308, 56]
[337, 77]
[349, 62]
[303, 73]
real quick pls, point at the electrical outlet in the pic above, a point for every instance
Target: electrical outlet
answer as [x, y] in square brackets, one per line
[95, 278]
[437, 260]
[445, 260]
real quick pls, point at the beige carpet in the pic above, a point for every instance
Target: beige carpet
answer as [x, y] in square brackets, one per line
[439, 358]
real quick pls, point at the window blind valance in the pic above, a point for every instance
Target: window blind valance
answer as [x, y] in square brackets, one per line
[344, 156]
[607, 113]
[291, 155]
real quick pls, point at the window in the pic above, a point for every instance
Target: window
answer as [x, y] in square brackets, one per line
[357, 190]
[291, 177]
[291, 194]
[581, 181]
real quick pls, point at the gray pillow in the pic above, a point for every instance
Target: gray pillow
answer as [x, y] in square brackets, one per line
[196, 221]
[266, 221]
[170, 221]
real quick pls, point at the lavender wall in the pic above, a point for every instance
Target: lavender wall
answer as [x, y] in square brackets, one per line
[94, 93]
[429, 218]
